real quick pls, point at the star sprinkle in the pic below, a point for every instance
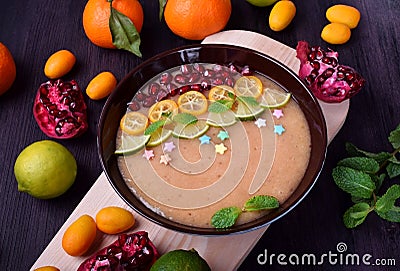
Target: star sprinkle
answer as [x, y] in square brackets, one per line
[278, 113]
[220, 148]
[204, 139]
[261, 123]
[165, 159]
[223, 135]
[148, 154]
[278, 129]
[169, 146]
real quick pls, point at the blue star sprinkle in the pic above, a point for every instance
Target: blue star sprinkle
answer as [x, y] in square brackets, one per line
[204, 139]
[278, 129]
[223, 135]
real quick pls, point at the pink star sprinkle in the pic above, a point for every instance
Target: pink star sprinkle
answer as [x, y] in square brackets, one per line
[148, 154]
[165, 159]
[169, 146]
[277, 113]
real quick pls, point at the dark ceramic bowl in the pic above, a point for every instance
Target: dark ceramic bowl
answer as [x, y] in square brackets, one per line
[116, 105]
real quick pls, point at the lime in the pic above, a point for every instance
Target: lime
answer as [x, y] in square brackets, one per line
[245, 111]
[190, 131]
[261, 3]
[132, 144]
[45, 169]
[158, 137]
[179, 260]
[222, 119]
[274, 98]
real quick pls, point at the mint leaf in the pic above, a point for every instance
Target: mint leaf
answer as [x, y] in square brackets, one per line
[393, 168]
[379, 157]
[220, 106]
[261, 202]
[248, 100]
[354, 182]
[394, 137]
[392, 215]
[378, 180]
[162, 6]
[387, 201]
[364, 164]
[123, 32]
[154, 126]
[356, 214]
[226, 217]
[184, 118]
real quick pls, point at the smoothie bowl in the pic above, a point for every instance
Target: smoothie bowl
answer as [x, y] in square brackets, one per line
[202, 134]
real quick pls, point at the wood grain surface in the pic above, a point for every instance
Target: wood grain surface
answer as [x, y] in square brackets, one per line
[35, 29]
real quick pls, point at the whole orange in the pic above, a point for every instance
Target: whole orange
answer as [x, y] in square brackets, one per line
[196, 19]
[96, 19]
[7, 69]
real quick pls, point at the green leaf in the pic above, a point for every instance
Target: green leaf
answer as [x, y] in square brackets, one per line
[162, 6]
[261, 202]
[220, 106]
[379, 157]
[378, 180]
[356, 215]
[226, 217]
[354, 182]
[392, 215]
[123, 32]
[394, 137]
[364, 164]
[387, 201]
[393, 170]
[250, 101]
[154, 126]
[184, 118]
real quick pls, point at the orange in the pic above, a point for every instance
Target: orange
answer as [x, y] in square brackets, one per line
[197, 19]
[96, 19]
[7, 69]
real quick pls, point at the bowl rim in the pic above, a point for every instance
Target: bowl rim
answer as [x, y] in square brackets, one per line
[247, 227]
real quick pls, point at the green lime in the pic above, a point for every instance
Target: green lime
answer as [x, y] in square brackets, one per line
[222, 119]
[190, 131]
[262, 3]
[245, 111]
[274, 98]
[158, 137]
[132, 144]
[179, 260]
[45, 169]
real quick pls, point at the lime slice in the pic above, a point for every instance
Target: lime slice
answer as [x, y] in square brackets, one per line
[247, 112]
[158, 137]
[274, 98]
[190, 131]
[132, 144]
[222, 119]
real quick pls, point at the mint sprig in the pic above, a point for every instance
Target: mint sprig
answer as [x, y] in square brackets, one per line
[184, 118]
[220, 106]
[226, 217]
[362, 175]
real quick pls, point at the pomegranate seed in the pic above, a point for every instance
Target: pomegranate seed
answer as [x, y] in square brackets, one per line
[165, 78]
[134, 106]
[153, 88]
[199, 68]
[186, 69]
[180, 79]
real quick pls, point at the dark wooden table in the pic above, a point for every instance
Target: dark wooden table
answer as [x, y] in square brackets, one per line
[34, 29]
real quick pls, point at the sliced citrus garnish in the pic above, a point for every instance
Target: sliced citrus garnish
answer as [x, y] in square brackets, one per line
[158, 137]
[244, 111]
[132, 144]
[193, 102]
[134, 123]
[162, 110]
[248, 86]
[274, 98]
[190, 131]
[223, 119]
[222, 92]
